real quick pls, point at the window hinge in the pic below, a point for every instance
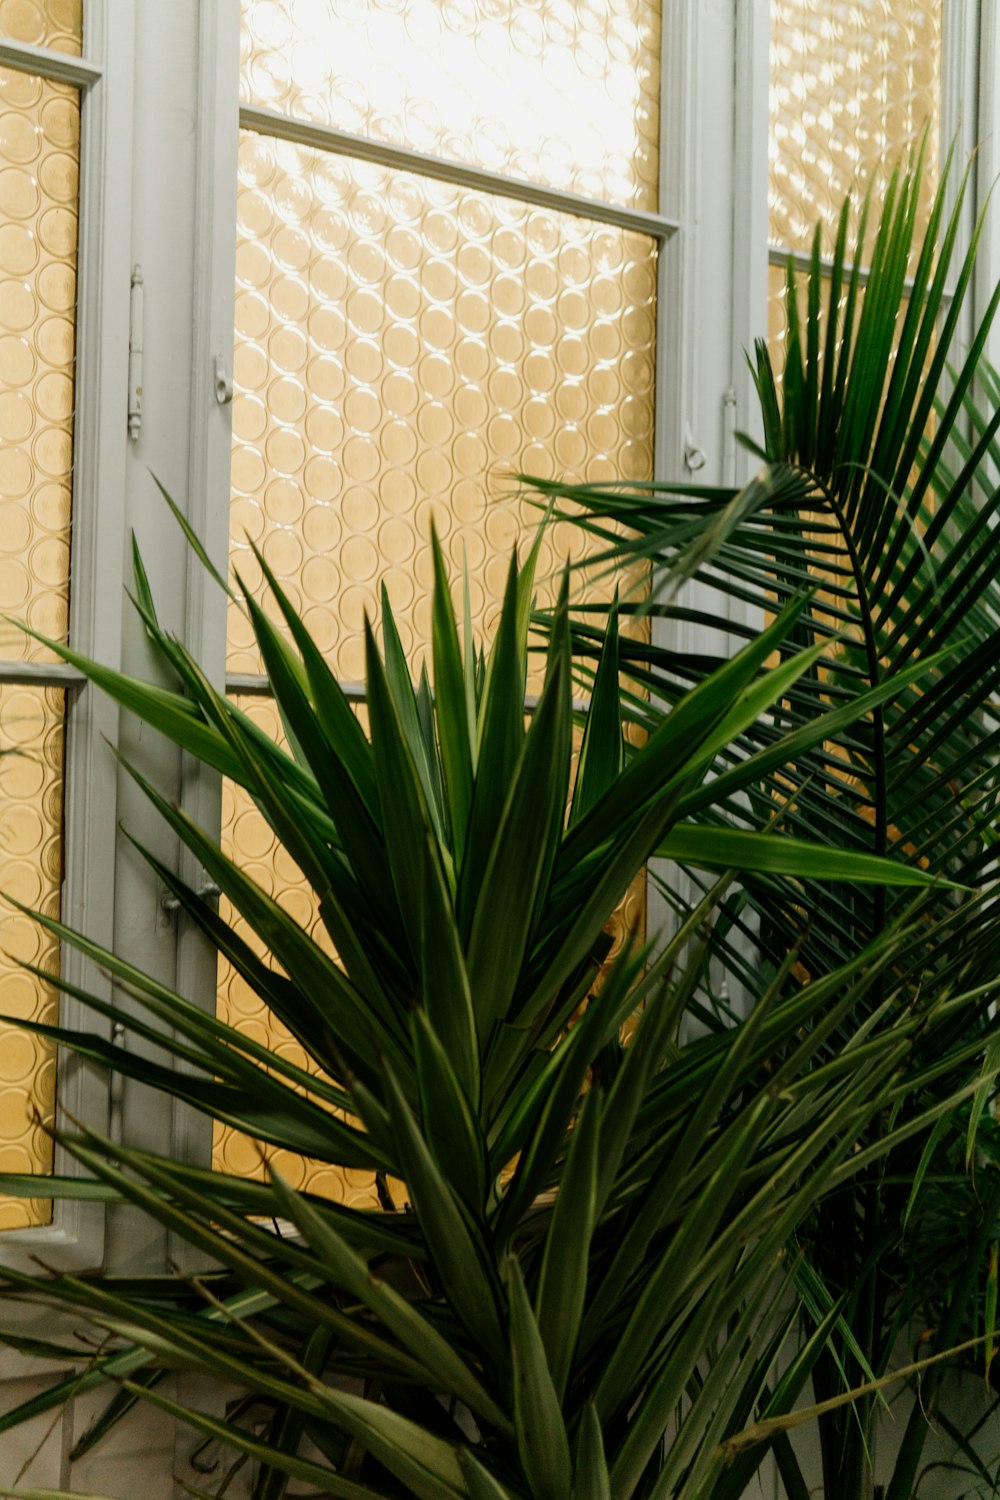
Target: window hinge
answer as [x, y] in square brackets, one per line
[169, 903]
[135, 355]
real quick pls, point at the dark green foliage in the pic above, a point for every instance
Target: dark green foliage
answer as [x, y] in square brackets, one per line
[578, 1235]
[881, 493]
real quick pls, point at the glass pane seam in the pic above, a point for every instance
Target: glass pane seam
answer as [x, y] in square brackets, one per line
[256, 685]
[41, 674]
[55, 67]
[250, 685]
[445, 169]
[780, 255]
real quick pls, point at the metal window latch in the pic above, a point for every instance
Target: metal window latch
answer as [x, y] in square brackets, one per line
[694, 457]
[135, 354]
[223, 381]
[169, 903]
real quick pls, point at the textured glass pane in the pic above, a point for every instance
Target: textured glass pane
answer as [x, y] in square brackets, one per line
[43, 23]
[39, 170]
[564, 92]
[852, 89]
[402, 349]
[31, 769]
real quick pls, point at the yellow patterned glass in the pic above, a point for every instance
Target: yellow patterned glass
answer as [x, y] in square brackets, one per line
[39, 171]
[564, 92]
[404, 347]
[852, 89]
[31, 771]
[43, 23]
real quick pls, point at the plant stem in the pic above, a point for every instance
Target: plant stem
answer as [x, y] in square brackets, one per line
[847, 1468]
[911, 1449]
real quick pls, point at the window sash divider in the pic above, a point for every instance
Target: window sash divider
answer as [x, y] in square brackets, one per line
[58, 67]
[40, 674]
[301, 132]
[780, 255]
[256, 685]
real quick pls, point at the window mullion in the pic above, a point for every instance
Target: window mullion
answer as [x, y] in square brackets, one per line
[209, 477]
[680, 98]
[749, 230]
[961, 23]
[712, 286]
[988, 161]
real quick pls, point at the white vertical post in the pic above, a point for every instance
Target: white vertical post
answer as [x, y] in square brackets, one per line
[675, 300]
[165, 71]
[712, 291]
[214, 281]
[988, 162]
[962, 126]
[751, 122]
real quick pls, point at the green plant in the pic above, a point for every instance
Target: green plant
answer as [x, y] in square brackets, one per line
[892, 429]
[591, 1282]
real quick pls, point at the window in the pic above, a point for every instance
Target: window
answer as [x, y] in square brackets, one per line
[411, 333]
[363, 295]
[853, 93]
[39, 185]
[59, 176]
[453, 241]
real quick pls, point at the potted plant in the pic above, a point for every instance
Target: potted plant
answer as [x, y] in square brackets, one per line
[584, 1268]
[891, 425]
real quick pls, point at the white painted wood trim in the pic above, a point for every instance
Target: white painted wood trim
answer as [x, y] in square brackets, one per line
[362, 148]
[674, 300]
[41, 674]
[779, 255]
[988, 162]
[676, 281]
[751, 127]
[60, 67]
[256, 685]
[209, 484]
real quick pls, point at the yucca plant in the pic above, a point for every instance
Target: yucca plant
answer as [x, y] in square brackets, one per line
[580, 1278]
[892, 429]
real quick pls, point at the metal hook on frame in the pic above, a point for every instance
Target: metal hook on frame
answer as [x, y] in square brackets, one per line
[223, 381]
[208, 891]
[694, 457]
[135, 311]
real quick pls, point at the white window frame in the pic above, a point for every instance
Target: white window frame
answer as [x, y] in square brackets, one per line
[103, 75]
